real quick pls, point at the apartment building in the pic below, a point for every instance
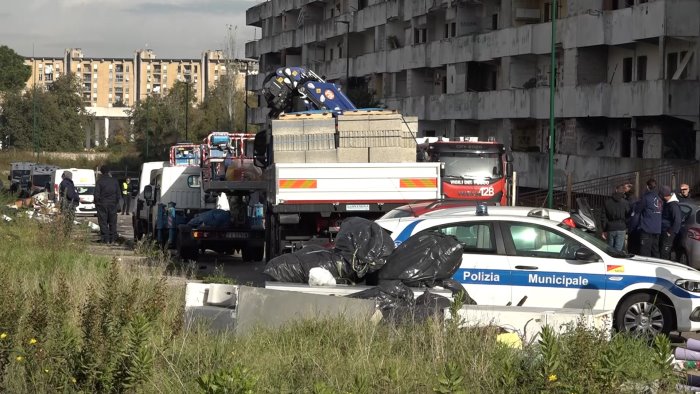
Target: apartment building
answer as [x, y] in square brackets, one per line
[121, 82]
[627, 89]
[109, 86]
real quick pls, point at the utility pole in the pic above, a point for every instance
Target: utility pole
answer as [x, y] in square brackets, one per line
[34, 141]
[552, 83]
[187, 107]
[245, 91]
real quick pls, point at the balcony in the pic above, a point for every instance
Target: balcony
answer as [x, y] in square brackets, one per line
[642, 98]
[251, 50]
[255, 15]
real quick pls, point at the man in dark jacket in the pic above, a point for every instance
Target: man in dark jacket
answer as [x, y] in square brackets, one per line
[68, 196]
[684, 194]
[671, 218]
[649, 211]
[107, 198]
[614, 219]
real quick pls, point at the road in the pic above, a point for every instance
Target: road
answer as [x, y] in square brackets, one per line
[209, 264]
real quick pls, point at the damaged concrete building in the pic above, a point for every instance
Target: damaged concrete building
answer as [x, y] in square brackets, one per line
[626, 84]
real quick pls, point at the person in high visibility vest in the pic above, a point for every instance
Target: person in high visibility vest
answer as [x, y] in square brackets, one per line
[126, 198]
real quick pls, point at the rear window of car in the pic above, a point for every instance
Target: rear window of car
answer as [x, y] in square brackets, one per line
[82, 190]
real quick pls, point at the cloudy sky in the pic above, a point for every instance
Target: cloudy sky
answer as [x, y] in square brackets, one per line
[116, 28]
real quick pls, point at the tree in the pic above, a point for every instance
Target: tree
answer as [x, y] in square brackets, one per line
[61, 119]
[14, 74]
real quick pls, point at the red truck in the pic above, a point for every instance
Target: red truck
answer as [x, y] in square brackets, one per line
[471, 170]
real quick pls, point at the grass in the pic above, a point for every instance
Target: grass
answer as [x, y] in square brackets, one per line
[72, 321]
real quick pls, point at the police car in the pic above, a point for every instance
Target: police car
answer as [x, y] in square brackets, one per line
[539, 259]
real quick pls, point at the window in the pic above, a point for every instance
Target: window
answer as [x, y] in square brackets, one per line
[475, 237]
[671, 64]
[419, 35]
[547, 12]
[627, 69]
[641, 68]
[494, 22]
[453, 28]
[684, 73]
[127, 68]
[531, 240]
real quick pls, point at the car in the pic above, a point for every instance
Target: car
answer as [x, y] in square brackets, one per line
[84, 181]
[687, 242]
[515, 259]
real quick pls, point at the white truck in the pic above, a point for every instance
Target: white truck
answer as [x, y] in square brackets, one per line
[140, 220]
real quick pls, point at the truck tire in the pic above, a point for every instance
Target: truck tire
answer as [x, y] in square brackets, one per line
[645, 314]
[253, 253]
[187, 253]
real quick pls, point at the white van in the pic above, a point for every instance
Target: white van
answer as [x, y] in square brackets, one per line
[84, 181]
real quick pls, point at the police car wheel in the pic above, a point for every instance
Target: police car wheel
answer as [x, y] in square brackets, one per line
[645, 315]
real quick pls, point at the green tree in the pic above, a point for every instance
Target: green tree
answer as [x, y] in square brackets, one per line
[61, 119]
[14, 74]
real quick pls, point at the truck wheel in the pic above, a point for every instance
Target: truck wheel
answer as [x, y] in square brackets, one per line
[645, 314]
[187, 253]
[253, 253]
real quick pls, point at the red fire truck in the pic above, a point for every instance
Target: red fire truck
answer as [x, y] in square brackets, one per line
[471, 170]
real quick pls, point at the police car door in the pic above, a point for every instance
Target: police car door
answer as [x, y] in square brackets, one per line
[545, 272]
[484, 270]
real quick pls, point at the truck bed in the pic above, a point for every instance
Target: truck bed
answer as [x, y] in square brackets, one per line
[354, 183]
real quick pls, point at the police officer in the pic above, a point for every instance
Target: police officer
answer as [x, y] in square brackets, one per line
[107, 196]
[126, 199]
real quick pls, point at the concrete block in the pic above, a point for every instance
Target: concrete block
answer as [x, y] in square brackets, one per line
[389, 124]
[288, 127]
[353, 155]
[290, 157]
[391, 155]
[260, 307]
[319, 126]
[366, 138]
[321, 156]
[353, 123]
[320, 141]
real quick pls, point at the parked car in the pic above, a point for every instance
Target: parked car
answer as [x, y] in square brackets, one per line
[687, 243]
[84, 181]
[532, 261]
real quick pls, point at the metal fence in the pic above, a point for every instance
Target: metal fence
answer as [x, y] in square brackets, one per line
[596, 191]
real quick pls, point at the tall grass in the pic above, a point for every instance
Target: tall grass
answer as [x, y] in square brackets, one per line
[71, 321]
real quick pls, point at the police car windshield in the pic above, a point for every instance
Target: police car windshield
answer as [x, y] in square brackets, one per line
[471, 165]
[597, 242]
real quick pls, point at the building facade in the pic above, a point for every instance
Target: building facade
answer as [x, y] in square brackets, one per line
[627, 89]
[109, 86]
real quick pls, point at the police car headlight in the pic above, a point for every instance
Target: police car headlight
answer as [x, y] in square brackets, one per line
[689, 285]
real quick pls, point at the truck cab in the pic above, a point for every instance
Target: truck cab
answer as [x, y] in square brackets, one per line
[139, 217]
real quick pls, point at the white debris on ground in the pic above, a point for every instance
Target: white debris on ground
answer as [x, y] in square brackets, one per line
[321, 277]
[39, 207]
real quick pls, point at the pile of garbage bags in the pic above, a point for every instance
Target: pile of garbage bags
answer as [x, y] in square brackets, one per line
[364, 252]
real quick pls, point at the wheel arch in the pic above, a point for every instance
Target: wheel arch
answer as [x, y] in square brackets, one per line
[653, 292]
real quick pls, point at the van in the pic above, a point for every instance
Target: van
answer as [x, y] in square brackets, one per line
[84, 181]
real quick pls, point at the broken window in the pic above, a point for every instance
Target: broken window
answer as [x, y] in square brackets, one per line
[627, 69]
[641, 68]
[671, 64]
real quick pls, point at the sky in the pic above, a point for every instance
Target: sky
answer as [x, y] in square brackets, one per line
[117, 28]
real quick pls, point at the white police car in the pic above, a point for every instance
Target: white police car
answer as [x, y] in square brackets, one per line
[536, 261]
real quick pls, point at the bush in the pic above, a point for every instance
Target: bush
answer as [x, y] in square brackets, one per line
[71, 321]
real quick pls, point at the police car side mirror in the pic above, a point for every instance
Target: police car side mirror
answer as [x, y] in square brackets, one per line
[585, 254]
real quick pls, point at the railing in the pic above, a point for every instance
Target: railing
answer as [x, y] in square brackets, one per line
[596, 191]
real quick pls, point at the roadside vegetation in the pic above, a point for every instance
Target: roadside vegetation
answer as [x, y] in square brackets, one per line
[75, 321]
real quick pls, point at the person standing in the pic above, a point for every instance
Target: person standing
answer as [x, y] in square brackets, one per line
[126, 199]
[684, 192]
[107, 196]
[649, 211]
[614, 219]
[670, 222]
[69, 198]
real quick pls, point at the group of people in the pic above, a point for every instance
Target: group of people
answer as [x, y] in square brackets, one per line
[107, 199]
[648, 225]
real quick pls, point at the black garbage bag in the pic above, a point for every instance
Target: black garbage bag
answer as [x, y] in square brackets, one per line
[457, 290]
[294, 267]
[423, 259]
[429, 305]
[364, 244]
[390, 295]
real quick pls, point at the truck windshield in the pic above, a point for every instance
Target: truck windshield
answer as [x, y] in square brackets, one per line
[19, 173]
[41, 180]
[472, 165]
